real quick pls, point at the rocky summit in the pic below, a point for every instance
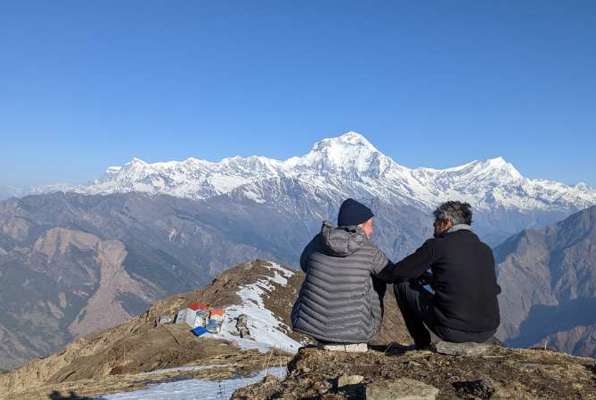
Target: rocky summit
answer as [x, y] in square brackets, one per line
[146, 353]
[143, 351]
[397, 373]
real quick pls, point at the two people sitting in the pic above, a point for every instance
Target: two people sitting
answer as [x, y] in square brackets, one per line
[340, 301]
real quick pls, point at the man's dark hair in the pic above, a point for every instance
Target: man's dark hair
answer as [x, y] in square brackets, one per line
[455, 211]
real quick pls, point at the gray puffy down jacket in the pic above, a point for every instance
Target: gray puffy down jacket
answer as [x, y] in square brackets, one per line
[337, 302]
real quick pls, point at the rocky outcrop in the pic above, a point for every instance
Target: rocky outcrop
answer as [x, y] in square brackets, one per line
[396, 373]
[143, 344]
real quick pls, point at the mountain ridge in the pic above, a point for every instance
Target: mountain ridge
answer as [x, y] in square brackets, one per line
[548, 277]
[488, 183]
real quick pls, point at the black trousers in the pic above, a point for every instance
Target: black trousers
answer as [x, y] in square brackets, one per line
[416, 305]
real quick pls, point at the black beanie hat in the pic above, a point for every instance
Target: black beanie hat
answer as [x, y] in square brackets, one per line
[353, 213]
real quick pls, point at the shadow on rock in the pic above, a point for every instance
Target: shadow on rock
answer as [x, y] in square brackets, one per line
[56, 395]
[478, 389]
[392, 349]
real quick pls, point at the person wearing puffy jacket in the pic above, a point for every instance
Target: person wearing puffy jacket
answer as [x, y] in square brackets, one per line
[338, 302]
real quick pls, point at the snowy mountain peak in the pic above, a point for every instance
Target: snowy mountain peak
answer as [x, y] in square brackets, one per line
[350, 138]
[497, 161]
[136, 161]
[350, 153]
[499, 168]
[347, 145]
[346, 165]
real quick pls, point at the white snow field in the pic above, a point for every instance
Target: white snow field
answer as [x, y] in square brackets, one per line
[191, 389]
[266, 330]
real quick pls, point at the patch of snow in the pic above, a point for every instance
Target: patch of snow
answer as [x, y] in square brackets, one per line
[191, 389]
[254, 196]
[226, 184]
[281, 274]
[189, 368]
[266, 331]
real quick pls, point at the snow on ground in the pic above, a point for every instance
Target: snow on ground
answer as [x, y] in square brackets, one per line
[190, 389]
[188, 368]
[266, 330]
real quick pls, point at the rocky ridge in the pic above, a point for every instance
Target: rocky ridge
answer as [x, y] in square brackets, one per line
[141, 351]
[399, 373]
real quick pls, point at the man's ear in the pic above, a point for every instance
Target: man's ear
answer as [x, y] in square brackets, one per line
[448, 224]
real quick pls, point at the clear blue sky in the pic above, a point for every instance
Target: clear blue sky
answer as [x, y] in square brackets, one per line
[88, 84]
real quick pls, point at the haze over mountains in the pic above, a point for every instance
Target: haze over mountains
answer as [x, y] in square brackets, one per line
[144, 231]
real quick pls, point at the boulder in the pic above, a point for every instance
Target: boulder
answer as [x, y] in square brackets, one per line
[401, 389]
[348, 348]
[345, 380]
[166, 319]
[462, 349]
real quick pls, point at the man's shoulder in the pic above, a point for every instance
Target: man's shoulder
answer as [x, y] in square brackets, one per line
[463, 234]
[434, 241]
[376, 259]
[468, 236]
[439, 244]
[485, 247]
[371, 248]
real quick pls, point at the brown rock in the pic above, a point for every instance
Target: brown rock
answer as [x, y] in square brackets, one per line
[401, 389]
[345, 380]
[462, 349]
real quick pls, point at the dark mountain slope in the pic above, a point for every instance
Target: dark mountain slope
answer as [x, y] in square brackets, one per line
[548, 278]
[72, 264]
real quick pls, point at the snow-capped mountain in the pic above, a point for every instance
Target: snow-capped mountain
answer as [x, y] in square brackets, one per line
[350, 165]
[157, 229]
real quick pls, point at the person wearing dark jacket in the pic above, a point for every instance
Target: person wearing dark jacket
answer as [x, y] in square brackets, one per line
[337, 303]
[463, 307]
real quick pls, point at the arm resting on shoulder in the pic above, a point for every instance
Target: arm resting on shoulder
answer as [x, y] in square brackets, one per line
[379, 262]
[412, 266]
